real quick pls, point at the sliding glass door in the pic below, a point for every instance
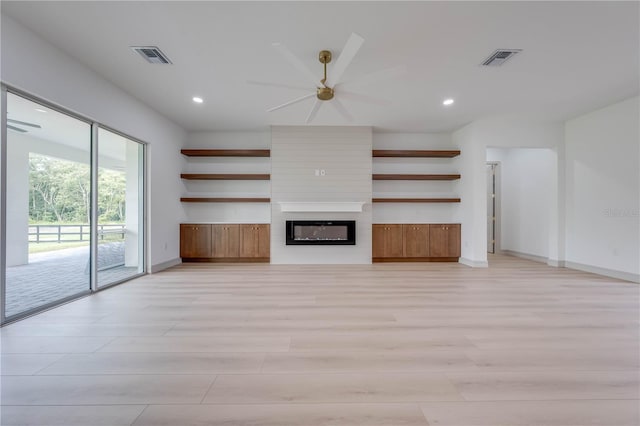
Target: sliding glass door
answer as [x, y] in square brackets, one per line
[73, 207]
[48, 186]
[120, 208]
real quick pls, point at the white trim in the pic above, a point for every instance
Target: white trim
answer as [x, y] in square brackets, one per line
[556, 263]
[621, 275]
[321, 206]
[532, 257]
[93, 220]
[164, 265]
[3, 199]
[474, 263]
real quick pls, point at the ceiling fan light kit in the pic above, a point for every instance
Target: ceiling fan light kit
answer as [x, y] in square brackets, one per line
[324, 93]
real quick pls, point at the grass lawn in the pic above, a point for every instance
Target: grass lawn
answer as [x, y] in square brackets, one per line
[43, 247]
[54, 245]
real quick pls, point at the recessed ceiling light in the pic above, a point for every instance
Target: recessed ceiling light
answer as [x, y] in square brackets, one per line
[447, 102]
[41, 110]
[198, 99]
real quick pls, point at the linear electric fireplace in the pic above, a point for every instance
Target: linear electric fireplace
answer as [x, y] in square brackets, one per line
[321, 232]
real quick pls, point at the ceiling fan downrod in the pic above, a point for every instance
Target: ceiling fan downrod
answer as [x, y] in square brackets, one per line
[324, 93]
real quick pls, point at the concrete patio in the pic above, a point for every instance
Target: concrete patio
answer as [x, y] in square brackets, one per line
[54, 275]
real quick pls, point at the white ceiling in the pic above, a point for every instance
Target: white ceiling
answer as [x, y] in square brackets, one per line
[577, 56]
[65, 130]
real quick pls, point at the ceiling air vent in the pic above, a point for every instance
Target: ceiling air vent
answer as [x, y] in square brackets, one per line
[499, 57]
[151, 54]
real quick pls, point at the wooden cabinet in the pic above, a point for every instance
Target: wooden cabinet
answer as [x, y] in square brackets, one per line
[444, 240]
[225, 240]
[387, 241]
[416, 240]
[255, 241]
[195, 241]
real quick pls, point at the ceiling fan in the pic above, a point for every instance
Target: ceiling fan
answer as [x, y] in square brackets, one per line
[20, 123]
[330, 88]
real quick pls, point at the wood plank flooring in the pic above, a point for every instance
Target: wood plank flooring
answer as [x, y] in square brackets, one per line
[518, 343]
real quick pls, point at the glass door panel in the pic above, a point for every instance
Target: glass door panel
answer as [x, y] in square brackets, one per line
[120, 253]
[48, 206]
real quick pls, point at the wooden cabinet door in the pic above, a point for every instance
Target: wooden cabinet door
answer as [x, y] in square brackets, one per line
[454, 240]
[255, 240]
[387, 240]
[377, 241]
[195, 241]
[416, 240]
[444, 240]
[225, 241]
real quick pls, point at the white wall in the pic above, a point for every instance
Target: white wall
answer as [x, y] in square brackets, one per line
[228, 212]
[602, 190]
[32, 64]
[473, 140]
[526, 176]
[473, 202]
[344, 153]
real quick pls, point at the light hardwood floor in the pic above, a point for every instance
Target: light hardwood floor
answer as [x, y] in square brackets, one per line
[518, 343]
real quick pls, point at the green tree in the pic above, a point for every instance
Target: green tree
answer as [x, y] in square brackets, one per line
[60, 191]
[111, 196]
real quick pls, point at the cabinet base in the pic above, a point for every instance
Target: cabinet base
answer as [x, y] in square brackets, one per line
[228, 259]
[414, 259]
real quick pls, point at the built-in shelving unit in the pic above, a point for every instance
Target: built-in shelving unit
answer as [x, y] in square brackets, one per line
[415, 153]
[415, 200]
[226, 152]
[407, 154]
[224, 200]
[225, 176]
[414, 177]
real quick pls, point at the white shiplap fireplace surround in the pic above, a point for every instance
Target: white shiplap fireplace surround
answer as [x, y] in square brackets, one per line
[321, 173]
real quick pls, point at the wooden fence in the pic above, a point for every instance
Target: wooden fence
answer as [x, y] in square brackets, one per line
[72, 233]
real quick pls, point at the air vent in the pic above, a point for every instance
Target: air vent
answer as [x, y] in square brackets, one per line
[151, 54]
[499, 57]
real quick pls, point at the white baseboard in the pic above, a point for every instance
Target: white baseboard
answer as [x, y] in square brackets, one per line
[556, 263]
[474, 263]
[164, 265]
[527, 256]
[626, 276]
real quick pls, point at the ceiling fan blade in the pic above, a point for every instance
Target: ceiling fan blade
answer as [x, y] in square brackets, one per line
[375, 77]
[17, 129]
[283, 86]
[24, 123]
[341, 109]
[300, 99]
[297, 63]
[346, 56]
[344, 94]
[314, 111]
